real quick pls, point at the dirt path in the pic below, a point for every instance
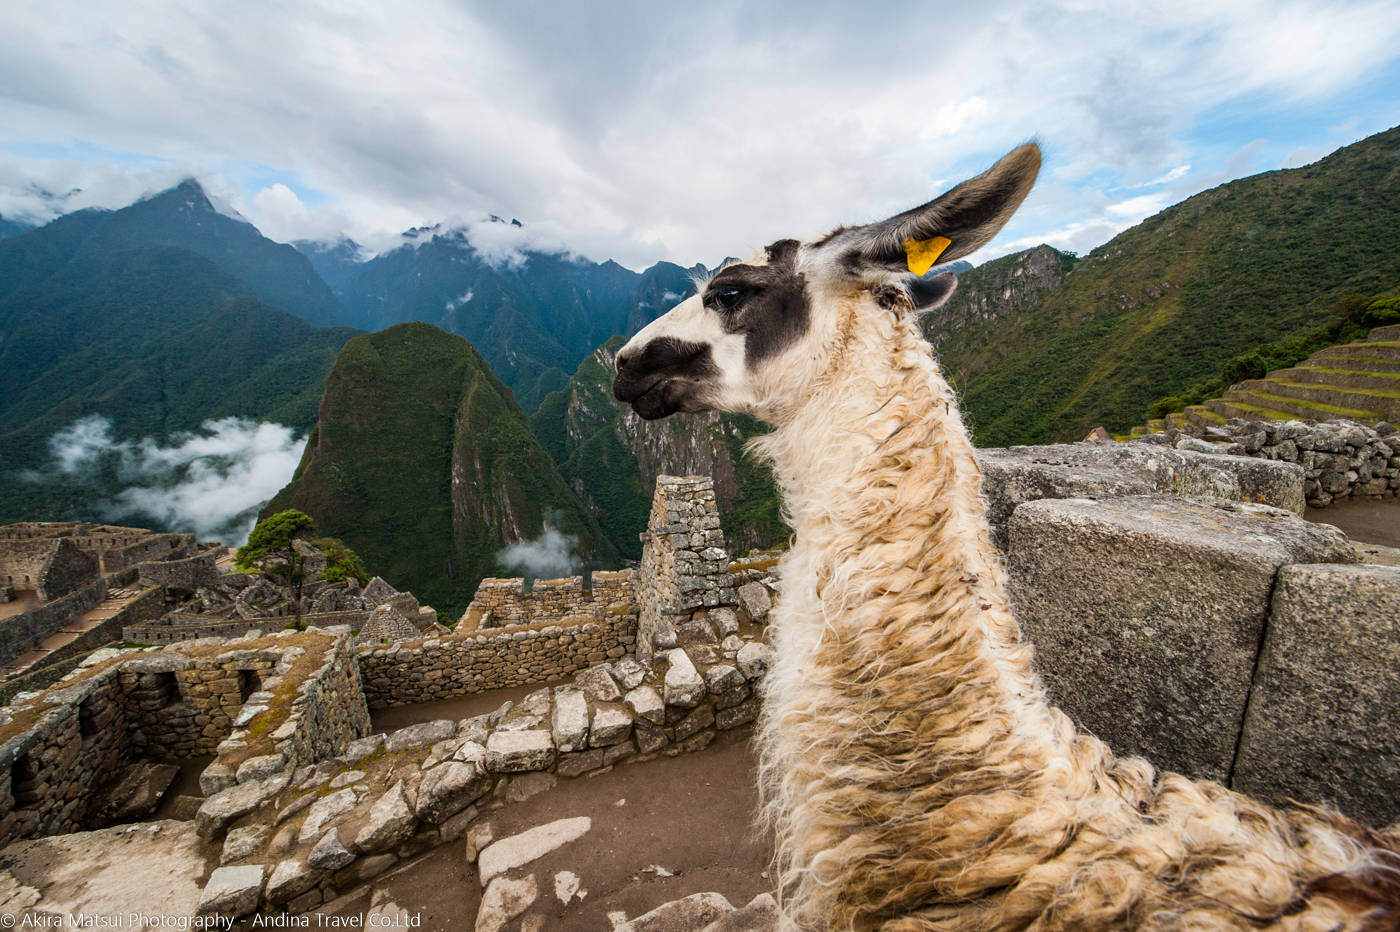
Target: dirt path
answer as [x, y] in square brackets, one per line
[1368, 521]
[691, 816]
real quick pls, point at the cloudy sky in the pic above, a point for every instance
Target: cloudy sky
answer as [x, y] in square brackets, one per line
[642, 131]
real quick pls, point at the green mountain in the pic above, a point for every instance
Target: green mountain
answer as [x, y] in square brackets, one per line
[533, 320]
[1043, 347]
[611, 458]
[12, 227]
[156, 338]
[425, 466]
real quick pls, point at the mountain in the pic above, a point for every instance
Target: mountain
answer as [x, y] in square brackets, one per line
[156, 338]
[533, 319]
[423, 463]
[1042, 347]
[12, 227]
[611, 458]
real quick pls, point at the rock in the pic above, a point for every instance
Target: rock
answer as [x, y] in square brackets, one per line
[649, 737]
[759, 915]
[519, 850]
[732, 697]
[526, 785]
[619, 752]
[722, 678]
[243, 843]
[347, 778]
[611, 725]
[136, 792]
[422, 735]
[570, 720]
[683, 686]
[1146, 614]
[471, 753]
[232, 891]
[323, 812]
[478, 837]
[295, 806]
[474, 729]
[1321, 721]
[291, 878]
[629, 673]
[390, 822]
[361, 748]
[702, 717]
[755, 660]
[503, 900]
[754, 599]
[450, 788]
[453, 829]
[646, 703]
[519, 751]
[575, 764]
[691, 913]
[537, 703]
[329, 854]
[221, 810]
[741, 714]
[726, 622]
[598, 683]
[364, 869]
[216, 778]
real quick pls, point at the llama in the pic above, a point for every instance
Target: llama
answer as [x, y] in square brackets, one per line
[915, 775]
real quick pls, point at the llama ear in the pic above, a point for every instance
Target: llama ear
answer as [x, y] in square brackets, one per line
[929, 293]
[952, 225]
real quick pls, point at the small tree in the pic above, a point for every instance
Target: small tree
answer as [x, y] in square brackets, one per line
[343, 563]
[270, 550]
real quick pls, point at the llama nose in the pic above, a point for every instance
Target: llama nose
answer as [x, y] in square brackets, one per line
[622, 362]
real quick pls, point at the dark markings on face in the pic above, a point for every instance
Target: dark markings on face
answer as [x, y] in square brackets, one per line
[665, 376]
[767, 304]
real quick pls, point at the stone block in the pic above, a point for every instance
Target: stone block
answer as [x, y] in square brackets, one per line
[329, 854]
[612, 724]
[570, 720]
[645, 702]
[1321, 726]
[232, 891]
[573, 765]
[741, 714]
[754, 599]
[448, 789]
[261, 767]
[755, 659]
[323, 812]
[220, 811]
[1147, 613]
[684, 687]
[722, 678]
[421, 735]
[361, 748]
[598, 683]
[519, 850]
[702, 717]
[244, 843]
[291, 878]
[693, 912]
[136, 792]
[519, 751]
[391, 821]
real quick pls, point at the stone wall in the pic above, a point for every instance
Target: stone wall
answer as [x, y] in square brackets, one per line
[53, 568]
[684, 561]
[500, 603]
[457, 665]
[1339, 458]
[185, 574]
[148, 605]
[174, 627]
[19, 633]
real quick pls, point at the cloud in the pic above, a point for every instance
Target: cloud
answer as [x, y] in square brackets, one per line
[549, 556]
[209, 482]
[642, 132]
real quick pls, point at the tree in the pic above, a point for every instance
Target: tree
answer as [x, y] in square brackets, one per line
[343, 561]
[271, 550]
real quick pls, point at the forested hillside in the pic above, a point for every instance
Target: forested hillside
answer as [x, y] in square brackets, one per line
[425, 466]
[1063, 346]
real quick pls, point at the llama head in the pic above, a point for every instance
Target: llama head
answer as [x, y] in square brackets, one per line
[760, 334]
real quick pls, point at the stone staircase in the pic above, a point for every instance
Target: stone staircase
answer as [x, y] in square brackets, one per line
[1359, 381]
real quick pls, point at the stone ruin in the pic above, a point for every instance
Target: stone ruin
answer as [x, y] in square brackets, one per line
[501, 603]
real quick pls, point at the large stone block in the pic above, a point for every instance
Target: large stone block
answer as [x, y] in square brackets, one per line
[1147, 614]
[519, 751]
[1323, 724]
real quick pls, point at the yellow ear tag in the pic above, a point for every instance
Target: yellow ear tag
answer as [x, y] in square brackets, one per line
[922, 254]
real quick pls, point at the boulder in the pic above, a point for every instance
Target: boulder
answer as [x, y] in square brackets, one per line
[702, 717]
[243, 843]
[261, 767]
[361, 748]
[726, 622]
[737, 715]
[722, 678]
[232, 891]
[570, 720]
[503, 900]
[390, 822]
[754, 599]
[755, 659]
[612, 724]
[421, 735]
[291, 878]
[574, 765]
[448, 789]
[329, 854]
[1321, 722]
[693, 912]
[1146, 614]
[323, 812]
[216, 778]
[629, 673]
[598, 683]
[683, 685]
[646, 703]
[519, 751]
[220, 811]
[519, 850]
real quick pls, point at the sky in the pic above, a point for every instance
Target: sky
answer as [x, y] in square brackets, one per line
[688, 132]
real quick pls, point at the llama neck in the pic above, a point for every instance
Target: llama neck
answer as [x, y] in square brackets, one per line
[902, 712]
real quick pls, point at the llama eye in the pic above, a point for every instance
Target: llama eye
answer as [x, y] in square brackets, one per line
[726, 299]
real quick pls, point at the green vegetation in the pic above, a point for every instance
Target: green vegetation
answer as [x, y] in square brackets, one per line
[425, 465]
[343, 563]
[271, 548]
[1256, 262]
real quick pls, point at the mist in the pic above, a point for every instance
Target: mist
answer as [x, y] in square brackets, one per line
[210, 482]
[549, 556]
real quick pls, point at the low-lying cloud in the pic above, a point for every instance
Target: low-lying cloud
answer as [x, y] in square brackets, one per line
[549, 556]
[210, 482]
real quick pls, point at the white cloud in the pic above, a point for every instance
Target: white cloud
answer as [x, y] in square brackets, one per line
[209, 482]
[642, 132]
[549, 556]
